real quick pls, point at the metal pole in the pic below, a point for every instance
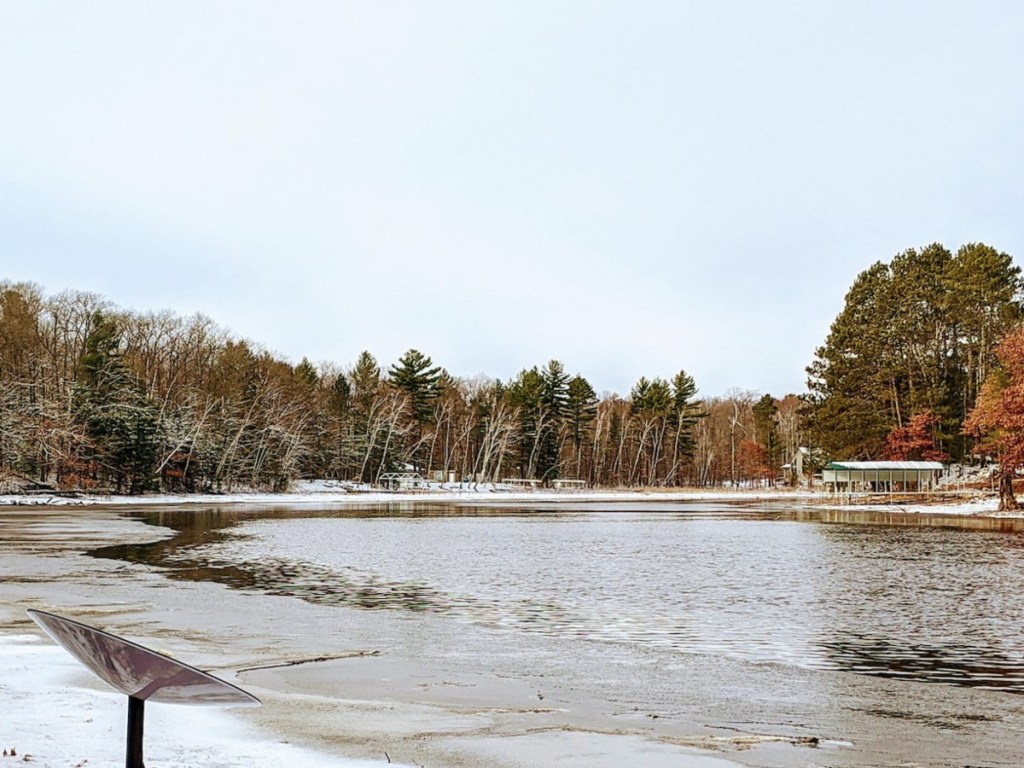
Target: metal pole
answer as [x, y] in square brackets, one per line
[136, 713]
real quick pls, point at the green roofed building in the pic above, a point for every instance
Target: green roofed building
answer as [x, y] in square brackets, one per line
[881, 476]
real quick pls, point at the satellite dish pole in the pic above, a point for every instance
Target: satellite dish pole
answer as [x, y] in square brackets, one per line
[136, 722]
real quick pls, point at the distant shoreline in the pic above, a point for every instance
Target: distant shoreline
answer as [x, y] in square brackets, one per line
[303, 496]
[937, 504]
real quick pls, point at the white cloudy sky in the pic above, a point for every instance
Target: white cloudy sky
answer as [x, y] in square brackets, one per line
[631, 187]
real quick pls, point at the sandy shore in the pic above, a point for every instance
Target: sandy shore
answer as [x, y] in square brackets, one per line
[359, 706]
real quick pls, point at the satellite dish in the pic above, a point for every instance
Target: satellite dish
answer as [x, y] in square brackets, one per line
[140, 674]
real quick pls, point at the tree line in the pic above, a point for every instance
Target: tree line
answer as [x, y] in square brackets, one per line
[906, 360]
[93, 396]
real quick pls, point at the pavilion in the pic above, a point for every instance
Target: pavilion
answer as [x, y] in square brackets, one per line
[881, 476]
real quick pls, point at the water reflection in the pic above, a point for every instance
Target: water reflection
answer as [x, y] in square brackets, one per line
[957, 665]
[945, 606]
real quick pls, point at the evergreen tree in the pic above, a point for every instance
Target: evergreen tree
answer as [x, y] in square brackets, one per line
[651, 403]
[526, 393]
[652, 399]
[687, 411]
[366, 381]
[616, 428]
[341, 394]
[416, 375]
[101, 370]
[766, 430]
[121, 424]
[852, 382]
[338, 457]
[555, 404]
[983, 290]
[307, 375]
[915, 335]
[365, 456]
[581, 410]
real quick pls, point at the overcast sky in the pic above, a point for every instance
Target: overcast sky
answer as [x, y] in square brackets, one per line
[631, 187]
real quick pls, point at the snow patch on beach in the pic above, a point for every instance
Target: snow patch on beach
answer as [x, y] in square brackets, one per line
[979, 507]
[57, 715]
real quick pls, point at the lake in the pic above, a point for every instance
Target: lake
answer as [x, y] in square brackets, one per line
[877, 644]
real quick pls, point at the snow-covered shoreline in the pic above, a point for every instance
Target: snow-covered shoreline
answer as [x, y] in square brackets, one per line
[980, 507]
[318, 494]
[326, 493]
[57, 714]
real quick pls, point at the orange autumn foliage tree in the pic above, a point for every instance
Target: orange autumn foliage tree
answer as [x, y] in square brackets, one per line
[916, 441]
[753, 461]
[998, 417]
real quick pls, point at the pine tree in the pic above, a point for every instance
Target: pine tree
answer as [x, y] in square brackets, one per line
[363, 454]
[341, 394]
[652, 403]
[307, 375]
[983, 291]
[581, 410]
[853, 399]
[555, 403]
[914, 335]
[766, 431]
[122, 425]
[416, 375]
[526, 393]
[687, 411]
[366, 381]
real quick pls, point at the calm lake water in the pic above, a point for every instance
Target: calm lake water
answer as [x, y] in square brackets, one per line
[732, 613]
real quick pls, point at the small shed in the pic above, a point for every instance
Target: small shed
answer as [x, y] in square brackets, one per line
[881, 476]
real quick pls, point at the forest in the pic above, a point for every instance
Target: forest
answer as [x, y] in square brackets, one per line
[97, 397]
[912, 348]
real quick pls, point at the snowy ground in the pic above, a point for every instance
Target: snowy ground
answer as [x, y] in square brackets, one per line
[55, 715]
[985, 506]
